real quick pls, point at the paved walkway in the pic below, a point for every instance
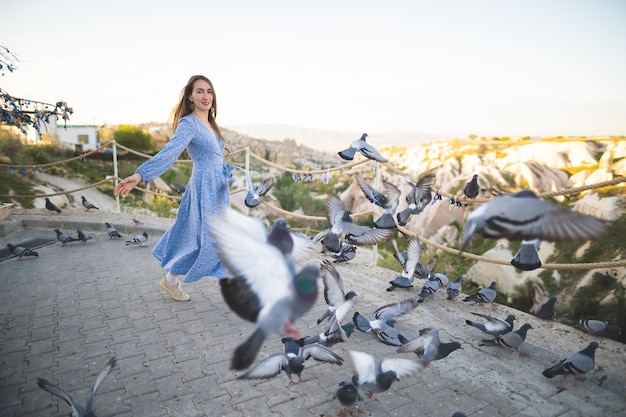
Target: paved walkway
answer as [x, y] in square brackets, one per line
[65, 313]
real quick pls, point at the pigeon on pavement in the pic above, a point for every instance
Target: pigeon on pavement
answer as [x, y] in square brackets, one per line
[509, 340]
[64, 238]
[346, 253]
[597, 327]
[576, 364]
[51, 206]
[87, 204]
[83, 237]
[362, 146]
[112, 231]
[373, 375]
[454, 288]
[77, 409]
[334, 292]
[524, 216]
[418, 197]
[291, 361]
[388, 200]
[527, 257]
[431, 286]
[428, 347]
[484, 295]
[409, 261]
[472, 188]
[21, 251]
[348, 395]
[138, 240]
[495, 326]
[383, 319]
[546, 311]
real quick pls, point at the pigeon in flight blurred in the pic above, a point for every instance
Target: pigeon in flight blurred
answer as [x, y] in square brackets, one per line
[509, 340]
[77, 409]
[418, 197]
[484, 295]
[495, 326]
[409, 261]
[21, 251]
[527, 257]
[362, 146]
[255, 193]
[346, 253]
[454, 288]
[576, 364]
[83, 237]
[87, 204]
[428, 347]
[334, 292]
[64, 238]
[264, 270]
[112, 231]
[51, 206]
[597, 327]
[546, 311]
[291, 361]
[138, 240]
[524, 216]
[383, 320]
[472, 188]
[388, 200]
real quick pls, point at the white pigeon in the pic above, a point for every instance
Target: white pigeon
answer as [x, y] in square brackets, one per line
[138, 240]
[373, 375]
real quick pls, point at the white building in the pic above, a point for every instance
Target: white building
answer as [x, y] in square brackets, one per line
[79, 138]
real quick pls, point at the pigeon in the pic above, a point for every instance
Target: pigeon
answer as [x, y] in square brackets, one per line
[495, 326]
[334, 332]
[179, 188]
[71, 200]
[410, 258]
[63, 238]
[454, 288]
[264, 268]
[472, 188]
[87, 204]
[597, 327]
[383, 320]
[459, 414]
[418, 197]
[484, 295]
[431, 286]
[255, 193]
[138, 240]
[523, 216]
[388, 200]
[346, 253]
[428, 347]
[373, 375]
[428, 270]
[576, 364]
[51, 206]
[341, 225]
[112, 231]
[511, 339]
[527, 258]
[77, 409]
[21, 251]
[83, 237]
[348, 395]
[362, 146]
[546, 311]
[291, 361]
[334, 292]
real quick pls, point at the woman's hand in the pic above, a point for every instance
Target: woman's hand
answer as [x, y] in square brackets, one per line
[127, 184]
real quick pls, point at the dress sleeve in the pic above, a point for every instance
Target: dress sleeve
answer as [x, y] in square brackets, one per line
[164, 159]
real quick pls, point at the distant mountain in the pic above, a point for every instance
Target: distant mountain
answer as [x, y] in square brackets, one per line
[328, 140]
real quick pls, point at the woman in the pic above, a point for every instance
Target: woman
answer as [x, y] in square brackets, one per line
[187, 248]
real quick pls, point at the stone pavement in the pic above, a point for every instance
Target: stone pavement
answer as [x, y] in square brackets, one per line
[65, 313]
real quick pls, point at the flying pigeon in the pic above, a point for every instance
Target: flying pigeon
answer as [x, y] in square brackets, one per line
[112, 231]
[428, 347]
[334, 332]
[454, 288]
[472, 188]
[527, 258]
[388, 200]
[510, 340]
[362, 146]
[51, 206]
[546, 311]
[597, 327]
[21, 251]
[83, 237]
[264, 268]
[495, 326]
[63, 238]
[77, 409]
[255, 193]
[87, 204]
[348, 395]
[291, 361]
[576, 364]
[524, 216]
[346, 253]
[418, 197]
[484, 295]
[410, 258]
[431, 286]
[383, 320]
[334, 292]
[138, 240]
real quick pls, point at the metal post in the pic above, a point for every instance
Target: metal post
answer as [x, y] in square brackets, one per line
[247, 166]
[115, 176]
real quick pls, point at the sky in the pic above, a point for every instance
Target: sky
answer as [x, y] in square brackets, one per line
[446, 67]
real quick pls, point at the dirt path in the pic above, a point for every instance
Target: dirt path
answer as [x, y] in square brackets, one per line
[55, 184]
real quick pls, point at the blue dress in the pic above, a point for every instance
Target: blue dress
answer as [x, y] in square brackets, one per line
[187, 247]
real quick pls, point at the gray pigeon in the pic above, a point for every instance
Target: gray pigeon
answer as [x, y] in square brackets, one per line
[334, 332]
[291, 361]
[484, 295]
[524, 216]
[179, 188]
[411, 258]
[372, 375]
[495, 326]
[112, 231]
[383, 319]
[428, 347]
[63, 238]
[334, 292]
[454, 288]
[255, 193]
[546, 311]
[83, 237]
[346, 253]
[51, 206]
[509, 340]
[348, 395]
[431, 286]
[271, 290]
[138, 240]
[21, 251]
[387, 200]
[418, 197]
[362, 146]
[576, 364]
[527, 257]
[77, 409]
[87, 204]
[597, 327]
[472, 188]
